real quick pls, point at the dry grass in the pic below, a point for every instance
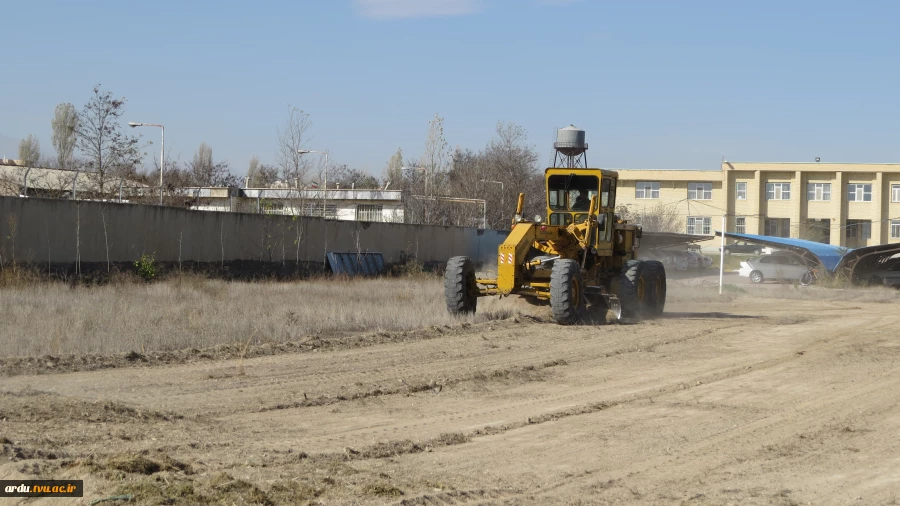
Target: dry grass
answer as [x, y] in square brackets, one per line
[192, 312]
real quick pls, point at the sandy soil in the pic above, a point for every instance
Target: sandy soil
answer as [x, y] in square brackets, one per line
[750, 400]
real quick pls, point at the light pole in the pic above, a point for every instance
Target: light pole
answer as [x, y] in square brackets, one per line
[162, 152]
[325, 177]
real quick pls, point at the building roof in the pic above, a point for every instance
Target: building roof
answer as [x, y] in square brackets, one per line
[829, 255]
[329, 194]
[12, 179]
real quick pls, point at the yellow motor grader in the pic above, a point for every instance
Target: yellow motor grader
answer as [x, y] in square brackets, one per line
[581, 254]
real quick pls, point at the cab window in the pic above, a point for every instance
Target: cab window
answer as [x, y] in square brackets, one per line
[608, 188]
[611, 197]
[563, 219]
[571, 192]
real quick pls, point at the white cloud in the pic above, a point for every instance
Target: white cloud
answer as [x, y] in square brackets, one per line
[393, 9]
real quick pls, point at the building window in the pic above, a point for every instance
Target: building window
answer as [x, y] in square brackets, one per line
[895, 193]
[315, 209]
[777, 227]
[698, 226]
[740, 225]
[818, 191]
[368, 212]
[273, 208]
[895, 229]
[740, 191]
[646, 190]
[700, 191]
[859, 192]
[859, 229]
[778, 191]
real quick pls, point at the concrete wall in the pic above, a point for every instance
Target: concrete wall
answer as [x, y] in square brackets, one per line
[59, 231]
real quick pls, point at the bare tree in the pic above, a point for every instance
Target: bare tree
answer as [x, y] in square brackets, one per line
[506, 166]
[262, 175]
[434, 159]
[205, 171]
[292, 137]
[434, 162]
[65, 124]
[30, 150]
[252, 171]
[108, 151]
[659, 218]
[510, 160]
[345, 177]
[48, 161]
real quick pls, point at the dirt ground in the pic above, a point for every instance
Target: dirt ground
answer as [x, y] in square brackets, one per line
[746, 399]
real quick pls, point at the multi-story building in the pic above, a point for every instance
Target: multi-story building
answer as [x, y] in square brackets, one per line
[845, 204]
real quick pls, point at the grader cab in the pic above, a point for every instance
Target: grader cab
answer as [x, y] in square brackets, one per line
[581, 255]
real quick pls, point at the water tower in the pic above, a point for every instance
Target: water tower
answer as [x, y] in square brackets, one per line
[571, 150]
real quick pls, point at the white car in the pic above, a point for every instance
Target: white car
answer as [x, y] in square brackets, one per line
[781, 267]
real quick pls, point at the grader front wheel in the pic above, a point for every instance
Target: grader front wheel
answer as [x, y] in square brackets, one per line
[566, 292]
[460, 288]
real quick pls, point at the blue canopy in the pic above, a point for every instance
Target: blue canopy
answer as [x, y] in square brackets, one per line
[828, 255]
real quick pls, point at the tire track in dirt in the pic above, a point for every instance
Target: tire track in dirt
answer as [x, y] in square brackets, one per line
[342, 375]
[445, 374]
[788, 422]
[521, 373]
[460, 497]
[710, 451]
[539, 409]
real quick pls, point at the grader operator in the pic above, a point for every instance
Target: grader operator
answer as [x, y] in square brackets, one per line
[581, 255]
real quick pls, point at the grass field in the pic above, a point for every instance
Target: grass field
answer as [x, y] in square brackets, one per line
[49, 318]
[194, 312]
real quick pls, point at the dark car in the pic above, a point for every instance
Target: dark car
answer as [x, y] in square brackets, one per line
[887, 276]
[743, 247]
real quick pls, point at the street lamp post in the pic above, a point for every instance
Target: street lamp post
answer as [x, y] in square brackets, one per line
[324, 178]
[162, 152]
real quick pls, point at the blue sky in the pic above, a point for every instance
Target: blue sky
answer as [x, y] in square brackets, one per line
[656, 84]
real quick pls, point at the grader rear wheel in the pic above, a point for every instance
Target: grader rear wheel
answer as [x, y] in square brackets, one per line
[566, 292]
[460, 288]
[656, 273]
[640, 289]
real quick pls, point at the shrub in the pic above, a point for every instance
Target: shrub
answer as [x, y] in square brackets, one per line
[146, 266]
